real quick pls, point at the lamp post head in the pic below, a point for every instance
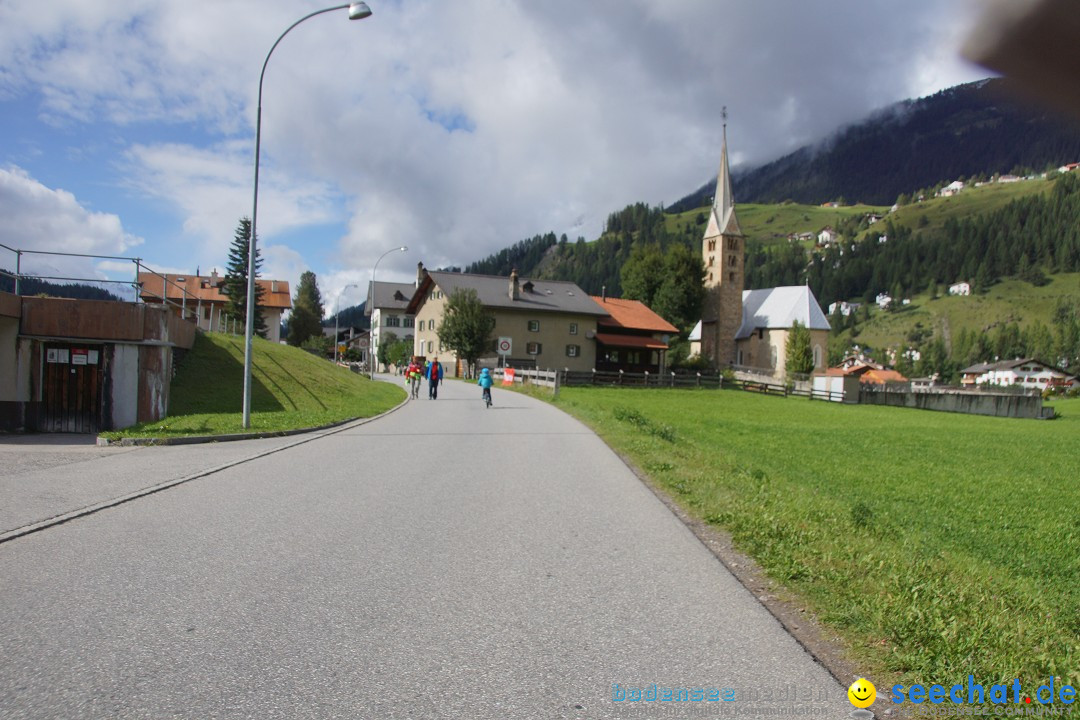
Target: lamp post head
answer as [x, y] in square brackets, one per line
[403, 248]
[359, 11]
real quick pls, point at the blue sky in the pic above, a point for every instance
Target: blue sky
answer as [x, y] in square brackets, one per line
[456, 129]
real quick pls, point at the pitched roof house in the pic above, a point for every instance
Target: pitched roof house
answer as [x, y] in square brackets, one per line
[1025, 372]
[541, 323]
[200, 298]
[389, 312]
[632, 337]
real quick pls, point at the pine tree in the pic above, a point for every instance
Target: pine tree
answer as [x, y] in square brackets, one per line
[305, 320]
[236, 272]
[799, 356]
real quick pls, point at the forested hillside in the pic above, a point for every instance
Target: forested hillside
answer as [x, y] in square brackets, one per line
[969, 131]
[33, 286]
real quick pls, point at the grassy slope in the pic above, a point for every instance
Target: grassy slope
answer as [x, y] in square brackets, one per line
[290, 389]
[937, 544]
[970, 202]
[773, 223]
[1006, 302]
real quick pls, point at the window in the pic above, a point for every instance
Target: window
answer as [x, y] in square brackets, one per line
[712, 245]
[573, 328]
[408, 322]
[573, 350]
[817, 356]
[712, 261]
[534, 326]
[429, 347]
[393, 321]
[431, 324]
[731, 260]
[731, 277]
[533, 348]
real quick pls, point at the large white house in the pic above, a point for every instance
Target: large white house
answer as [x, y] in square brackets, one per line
[388, 315]
[960, 288]
[1027, 372]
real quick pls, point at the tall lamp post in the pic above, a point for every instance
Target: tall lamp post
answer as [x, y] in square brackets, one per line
[357, 11]
[337, 313]
[371, 308]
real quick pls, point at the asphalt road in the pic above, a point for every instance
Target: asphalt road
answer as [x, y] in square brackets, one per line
[444, 561]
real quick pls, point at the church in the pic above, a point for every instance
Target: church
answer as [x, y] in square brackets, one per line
[748, 329]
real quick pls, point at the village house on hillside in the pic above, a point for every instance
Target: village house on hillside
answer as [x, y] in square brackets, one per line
[748, 328]
[1026, 372]
[200, 298]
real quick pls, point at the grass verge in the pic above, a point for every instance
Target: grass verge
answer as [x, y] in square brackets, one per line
[938, 545]
[291, 390]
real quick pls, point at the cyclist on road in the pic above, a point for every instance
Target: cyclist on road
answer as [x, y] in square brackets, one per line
[485, 382]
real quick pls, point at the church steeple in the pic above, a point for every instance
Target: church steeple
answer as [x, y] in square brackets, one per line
[722, 220]
[722, 250]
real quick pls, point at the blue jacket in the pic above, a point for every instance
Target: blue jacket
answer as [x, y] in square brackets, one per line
[434, 372]
[485, 379]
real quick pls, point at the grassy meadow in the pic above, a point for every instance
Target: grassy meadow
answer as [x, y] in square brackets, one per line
[291, 389]
[937, 544]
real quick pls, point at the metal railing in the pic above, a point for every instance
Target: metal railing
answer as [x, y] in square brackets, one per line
[226, 322]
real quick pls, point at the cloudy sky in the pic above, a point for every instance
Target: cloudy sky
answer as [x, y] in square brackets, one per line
[454, 128]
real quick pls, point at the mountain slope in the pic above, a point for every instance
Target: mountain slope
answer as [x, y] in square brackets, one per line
[971, 130]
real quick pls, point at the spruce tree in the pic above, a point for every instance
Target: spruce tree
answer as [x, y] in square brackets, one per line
[307, 311]
[800, 358]
[236, 272]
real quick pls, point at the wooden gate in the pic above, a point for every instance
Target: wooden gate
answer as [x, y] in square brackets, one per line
[71, 388]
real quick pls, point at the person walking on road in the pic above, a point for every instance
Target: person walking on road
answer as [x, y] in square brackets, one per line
[434, 377]
[412, 377]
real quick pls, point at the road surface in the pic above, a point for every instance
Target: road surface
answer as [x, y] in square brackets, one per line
[442, 561]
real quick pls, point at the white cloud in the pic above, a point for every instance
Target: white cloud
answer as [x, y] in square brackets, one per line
[458, 128]
[37, 218]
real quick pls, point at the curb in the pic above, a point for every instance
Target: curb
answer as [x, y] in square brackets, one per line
[196, 439]
[135, 495]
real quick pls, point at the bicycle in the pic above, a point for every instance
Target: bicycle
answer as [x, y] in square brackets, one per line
[487, 396]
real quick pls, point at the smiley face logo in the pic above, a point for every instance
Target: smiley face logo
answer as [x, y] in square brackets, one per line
[862, 693]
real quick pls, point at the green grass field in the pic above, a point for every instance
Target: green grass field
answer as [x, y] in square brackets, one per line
[291, 389]
[937, 544]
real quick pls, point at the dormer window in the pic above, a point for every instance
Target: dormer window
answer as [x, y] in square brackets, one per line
[528, 286]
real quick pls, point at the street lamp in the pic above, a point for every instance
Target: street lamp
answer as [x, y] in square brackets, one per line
[357, 11]
[371, 309]
[337, 312]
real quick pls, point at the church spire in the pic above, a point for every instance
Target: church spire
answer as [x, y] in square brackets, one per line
[723, 209]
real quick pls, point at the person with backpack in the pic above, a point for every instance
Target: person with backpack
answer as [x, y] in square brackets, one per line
[434, 377]
[485, 382]
[412, 377]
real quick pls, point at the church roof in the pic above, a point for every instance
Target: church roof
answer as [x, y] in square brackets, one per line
[780, 307]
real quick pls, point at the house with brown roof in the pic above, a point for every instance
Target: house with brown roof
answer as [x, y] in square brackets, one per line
[200, 298]
[632, 337]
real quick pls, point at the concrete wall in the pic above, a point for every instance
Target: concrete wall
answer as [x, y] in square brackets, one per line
[122, 385]
[1014, 406]
[9, 333]
[137, 339]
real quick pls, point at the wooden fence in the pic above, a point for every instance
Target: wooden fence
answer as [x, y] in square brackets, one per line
[574, 378]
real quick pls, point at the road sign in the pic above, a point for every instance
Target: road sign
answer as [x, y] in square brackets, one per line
[504, 345]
